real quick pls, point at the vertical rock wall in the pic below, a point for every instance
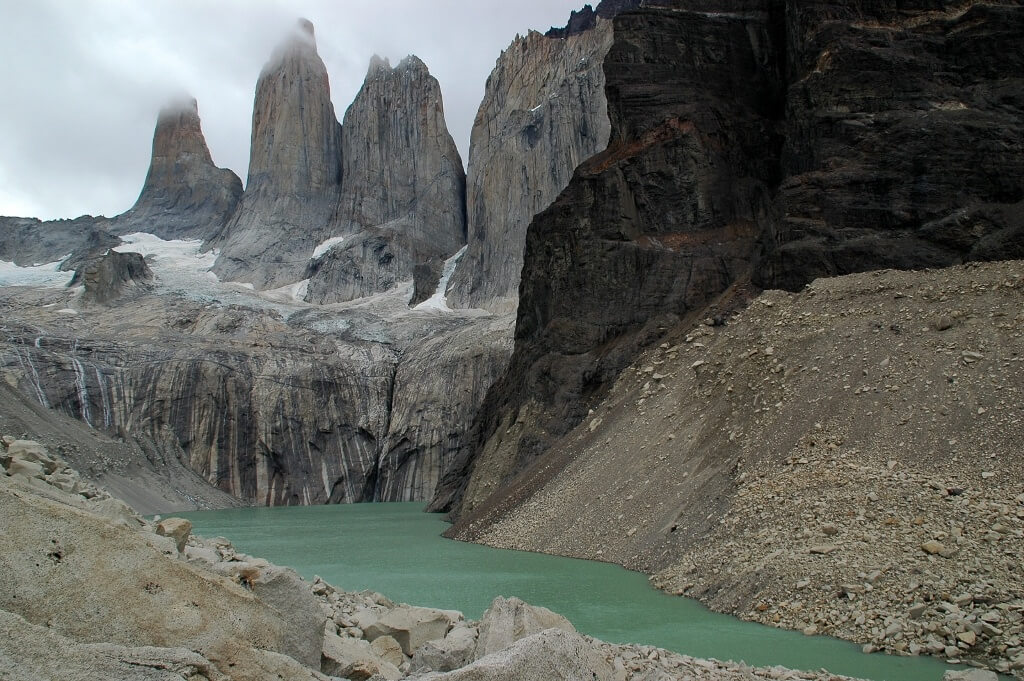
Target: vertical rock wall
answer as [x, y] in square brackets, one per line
[403, 190]
[543, 113]
[185, 196]
[294, 170]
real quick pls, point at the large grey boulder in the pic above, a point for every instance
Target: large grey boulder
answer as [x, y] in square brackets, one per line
[355, 659]
[510, 619]
[177, 529]
[294, 170]
[550, 654]
[412, 626]
[109, 276]
[970, 675]
[455, 650]
[31, 451]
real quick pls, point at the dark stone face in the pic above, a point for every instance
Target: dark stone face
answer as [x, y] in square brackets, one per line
[107, 277]
[772, 142]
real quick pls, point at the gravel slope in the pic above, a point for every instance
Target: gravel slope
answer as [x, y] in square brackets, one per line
[795, 465]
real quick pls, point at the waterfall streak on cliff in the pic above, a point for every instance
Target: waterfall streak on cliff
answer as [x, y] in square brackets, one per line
[104, 398]
[83, 392]
[28, 367]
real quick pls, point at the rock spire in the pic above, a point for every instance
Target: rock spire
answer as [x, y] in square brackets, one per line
[403, 187]
[185, 195]
[294, 169]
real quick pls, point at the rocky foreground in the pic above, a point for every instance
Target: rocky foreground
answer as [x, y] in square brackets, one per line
[93, 590]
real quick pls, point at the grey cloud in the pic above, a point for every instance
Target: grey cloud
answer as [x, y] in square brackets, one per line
[83, 81]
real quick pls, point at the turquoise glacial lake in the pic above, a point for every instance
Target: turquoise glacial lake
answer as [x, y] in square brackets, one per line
[398, 550]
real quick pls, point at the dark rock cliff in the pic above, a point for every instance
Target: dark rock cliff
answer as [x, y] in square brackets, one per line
[185, 196]
[904, 138]
[765, 141]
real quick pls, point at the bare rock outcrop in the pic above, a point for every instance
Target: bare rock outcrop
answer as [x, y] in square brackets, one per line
[430, 418]
[543, 113]
[294, 170]
[403, 187]
[111, 275]
[29, 241]
[185, 196]
[58, 567]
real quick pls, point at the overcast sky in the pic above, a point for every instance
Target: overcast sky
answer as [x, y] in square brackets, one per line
[82, 80]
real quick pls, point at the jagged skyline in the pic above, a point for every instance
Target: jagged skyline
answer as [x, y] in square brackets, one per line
[90, 79]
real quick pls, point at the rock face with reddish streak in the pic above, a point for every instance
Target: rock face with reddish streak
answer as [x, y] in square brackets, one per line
[763, 142]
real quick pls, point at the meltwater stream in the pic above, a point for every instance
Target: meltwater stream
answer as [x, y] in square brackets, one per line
[397, 549]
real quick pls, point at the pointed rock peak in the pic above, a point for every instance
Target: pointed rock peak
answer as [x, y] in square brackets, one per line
[300, 40]
[179, 131]
[305, 28]
[412, 63]
[182, 104]
[302, 34]
[378, 64]
[185, 195]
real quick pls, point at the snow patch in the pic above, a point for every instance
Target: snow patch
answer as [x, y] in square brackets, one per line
[439, 301]
[290, 293]
[47, 275]
[326, 246]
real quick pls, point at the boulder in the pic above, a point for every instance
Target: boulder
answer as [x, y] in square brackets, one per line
[108, 276]
[411, 626]
[176, 528]
[550, 654]
[30, 469]
[443, 655]
[388, 649]
[970, 675]
[510, 619]
[354, 659]
[30, 450]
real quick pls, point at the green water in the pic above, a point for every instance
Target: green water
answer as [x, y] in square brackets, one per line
[397, 550]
